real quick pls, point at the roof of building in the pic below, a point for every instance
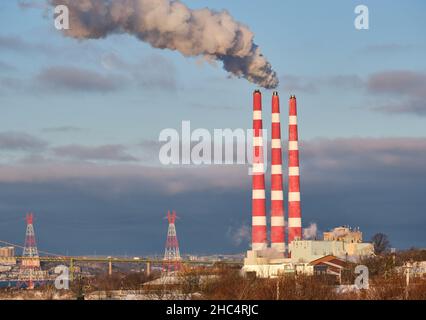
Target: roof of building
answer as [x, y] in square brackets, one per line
[329, 260]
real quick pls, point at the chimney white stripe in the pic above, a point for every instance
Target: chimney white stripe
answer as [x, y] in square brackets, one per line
[257, 246]
[275, 143]
[294, 222]
[275, 118]
[277, 221]
[258, 194]
[293, 171]
[293, 145]
[276, 169]
[257, 141]
[258, 168]
[276, 194]
[293, 196]
[292, 120]
[257, 115]
[259, 221]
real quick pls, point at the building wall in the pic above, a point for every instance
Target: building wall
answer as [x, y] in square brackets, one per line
[7, 252]
[343, 234]
[309, 250]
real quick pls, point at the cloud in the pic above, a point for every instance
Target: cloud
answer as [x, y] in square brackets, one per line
[13, 43]
[294, 84]
[17, 44]
[111, 152]
[6, 67]
[365, 155]
[387, 48]
[398, 82]
[405, 88]
[19, 141]
[10, 83]
[62, 129]
[374, 183]
[32, 4]
[151, 72]
[349, 81]
[417, 107]
[312, 85]
[408, 87]
[77, 79]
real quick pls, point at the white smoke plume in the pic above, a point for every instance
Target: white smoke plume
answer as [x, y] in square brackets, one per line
[339, 233]
[167, 24]
[310, 232]
[239, 235]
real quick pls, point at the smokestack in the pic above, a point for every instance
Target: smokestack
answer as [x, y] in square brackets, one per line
[259, 241]
[294, 212]
[277, 207]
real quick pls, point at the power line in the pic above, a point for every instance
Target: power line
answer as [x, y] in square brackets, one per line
[22, 247]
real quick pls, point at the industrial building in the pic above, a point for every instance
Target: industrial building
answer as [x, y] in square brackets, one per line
[7, 258]
[297, 255]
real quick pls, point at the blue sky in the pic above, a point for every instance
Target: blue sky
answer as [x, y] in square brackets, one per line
[338, 73]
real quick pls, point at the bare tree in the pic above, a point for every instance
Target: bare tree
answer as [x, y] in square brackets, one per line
[380, 242]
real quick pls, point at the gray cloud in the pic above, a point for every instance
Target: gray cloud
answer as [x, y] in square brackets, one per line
[406, 88]
[76, 79]
[349, 81]
[387, 48]
[10, 83]
[409, 106]
[311, 85]
[152, 72]
[17, 44]
[21, 141]
[409, 87]
[65, 129]
[32, 4]
[12, 43]
[376, 184]
[6, 67]
[398, 82]
[294, 84]
[111, 152]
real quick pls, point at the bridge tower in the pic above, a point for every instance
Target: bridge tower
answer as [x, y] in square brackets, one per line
[172, 259]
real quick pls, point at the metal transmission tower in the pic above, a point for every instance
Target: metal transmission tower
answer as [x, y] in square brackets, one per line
[30, 267]
[171, 261]
[30, 248]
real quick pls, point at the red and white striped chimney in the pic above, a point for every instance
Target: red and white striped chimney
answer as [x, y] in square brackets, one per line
[294, 212]
[277, 206]
[259, 238]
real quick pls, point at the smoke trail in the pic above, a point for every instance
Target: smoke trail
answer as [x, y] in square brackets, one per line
[310, 232]
[167, 24]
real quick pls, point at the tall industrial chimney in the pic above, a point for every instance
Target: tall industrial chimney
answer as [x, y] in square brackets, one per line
[294, 211]
[259, 238]
[277, 207]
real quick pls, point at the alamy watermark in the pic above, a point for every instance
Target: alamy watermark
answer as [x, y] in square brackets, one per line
[62, 17]
[222, 146]
[362, 20]
[62, 282]
[361, 281]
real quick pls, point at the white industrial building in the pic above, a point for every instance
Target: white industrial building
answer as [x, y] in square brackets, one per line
[271, 263]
